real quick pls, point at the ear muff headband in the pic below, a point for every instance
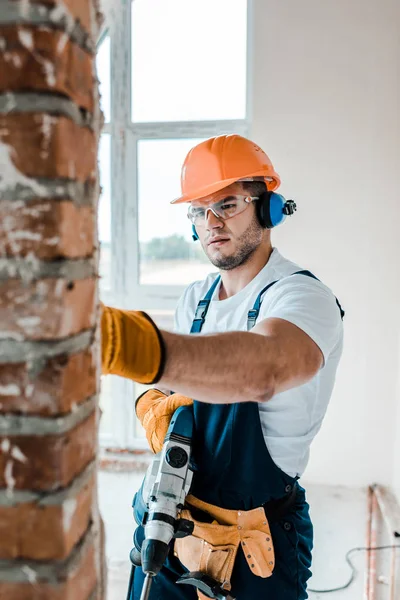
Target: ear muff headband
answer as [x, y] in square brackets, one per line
[195, 237]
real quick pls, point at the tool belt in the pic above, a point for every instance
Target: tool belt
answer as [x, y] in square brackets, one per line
[218, 533]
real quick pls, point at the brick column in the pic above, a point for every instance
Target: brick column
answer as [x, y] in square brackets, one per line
[50, 529]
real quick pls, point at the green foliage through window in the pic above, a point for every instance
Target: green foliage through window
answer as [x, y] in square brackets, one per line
[173, 247]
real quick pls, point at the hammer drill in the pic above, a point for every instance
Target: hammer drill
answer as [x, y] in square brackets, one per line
[157, 507]
[158, 503]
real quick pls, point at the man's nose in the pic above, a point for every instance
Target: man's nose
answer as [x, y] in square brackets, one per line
[212, 221]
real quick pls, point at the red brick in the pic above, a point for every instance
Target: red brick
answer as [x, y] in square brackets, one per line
[45, 61]
[64, 382]
[58, 527]
[48, 146]
[79, 9]
[48, 229]
[52, 461]
[79, 584]
[46, 309]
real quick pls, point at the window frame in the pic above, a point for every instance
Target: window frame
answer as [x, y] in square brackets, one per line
[126, 289]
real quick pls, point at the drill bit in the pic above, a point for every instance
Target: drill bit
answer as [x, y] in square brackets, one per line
[146, 587]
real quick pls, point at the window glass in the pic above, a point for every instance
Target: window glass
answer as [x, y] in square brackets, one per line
[104, 75]
[104, 211]
[168, 255]
[104, 231]
[189, 60]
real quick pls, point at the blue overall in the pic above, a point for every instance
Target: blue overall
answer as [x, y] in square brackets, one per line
[234, 470]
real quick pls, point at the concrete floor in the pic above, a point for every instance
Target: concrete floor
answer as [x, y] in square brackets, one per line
[339, 516]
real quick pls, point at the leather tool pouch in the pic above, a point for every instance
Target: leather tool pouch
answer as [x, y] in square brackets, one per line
[216, 538]
[207, 550]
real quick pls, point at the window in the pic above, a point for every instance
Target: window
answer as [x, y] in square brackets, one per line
[168, 255]
[188, 60]
[171, 74]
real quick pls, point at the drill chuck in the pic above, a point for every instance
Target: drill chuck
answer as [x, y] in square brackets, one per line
[154, 555]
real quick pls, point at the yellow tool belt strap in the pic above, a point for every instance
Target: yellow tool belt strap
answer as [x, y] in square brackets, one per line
[213, 546]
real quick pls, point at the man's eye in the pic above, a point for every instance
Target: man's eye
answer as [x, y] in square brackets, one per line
[228, 205]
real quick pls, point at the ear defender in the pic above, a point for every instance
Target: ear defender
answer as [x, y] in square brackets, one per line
[195, 237]
[272, 209]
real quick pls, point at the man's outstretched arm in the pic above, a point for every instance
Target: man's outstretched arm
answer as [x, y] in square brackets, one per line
[228, 367]
[237, 366]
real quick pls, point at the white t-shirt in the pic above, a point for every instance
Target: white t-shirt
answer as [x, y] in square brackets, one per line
[291, 419]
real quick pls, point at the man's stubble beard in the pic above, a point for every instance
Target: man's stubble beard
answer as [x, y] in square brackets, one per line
[246, 245]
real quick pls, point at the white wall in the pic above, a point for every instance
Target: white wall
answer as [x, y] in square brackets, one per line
[396, 467]
[326, 98]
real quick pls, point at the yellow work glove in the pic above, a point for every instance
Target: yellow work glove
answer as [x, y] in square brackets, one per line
[131, 345]
[154, 410]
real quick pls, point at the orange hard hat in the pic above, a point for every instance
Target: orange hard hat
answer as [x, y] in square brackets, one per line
[219, 161]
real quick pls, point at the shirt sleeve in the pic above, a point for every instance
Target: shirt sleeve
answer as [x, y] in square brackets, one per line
[308, 304]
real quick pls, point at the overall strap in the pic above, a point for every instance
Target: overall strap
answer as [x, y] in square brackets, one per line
[202, 308]
[254, 312]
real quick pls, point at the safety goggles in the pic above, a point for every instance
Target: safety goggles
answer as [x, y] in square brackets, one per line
[226, 208]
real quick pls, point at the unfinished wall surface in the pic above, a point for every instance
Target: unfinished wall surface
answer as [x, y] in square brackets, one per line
[396, 466]
[50, 530]
[326, 102]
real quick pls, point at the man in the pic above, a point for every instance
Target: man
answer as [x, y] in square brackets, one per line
[261, 377]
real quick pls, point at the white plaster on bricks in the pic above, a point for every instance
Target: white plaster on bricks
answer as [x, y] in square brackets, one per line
[62, 42]
[23, 425]
[2, 44]
[31, 575]
[42, 288]
[32, 266]
[59, 288]
[61, 13]
[11, 103]
[43, 400]
[25, 235]
[24, 6]
[12, 58]
[5, 446]
[17, 454]
[29, 324]
[10, 176]
[26, 38]
[11, 335]
[9, 478]
[49, 70]
[69, 507]
[16, 205]
[37, 210]
[68, 318]
[52, 241]
[12, 270]
[47, 127]
[16, 60]
[10, 390]
[29, 390]
[57, 12]
[8, 222]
